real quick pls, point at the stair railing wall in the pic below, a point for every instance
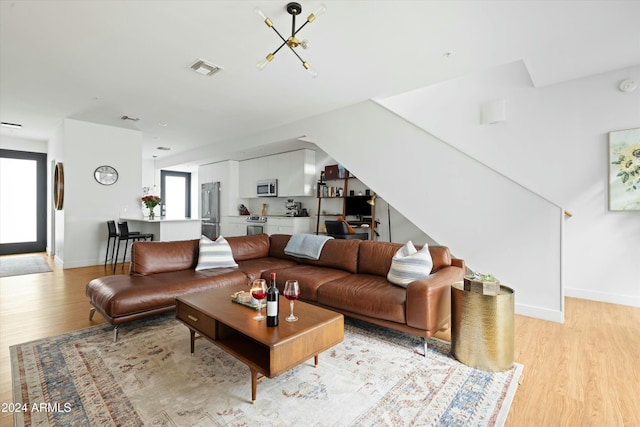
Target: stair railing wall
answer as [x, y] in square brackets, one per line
[495, 224]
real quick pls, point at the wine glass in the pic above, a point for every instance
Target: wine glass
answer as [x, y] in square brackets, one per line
[292, 293]
[259, 292]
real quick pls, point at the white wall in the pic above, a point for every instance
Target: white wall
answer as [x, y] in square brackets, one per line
[87, 204]
[461, 203]
[400, 228]
[443, 192]
[8, 142]
[554, 141]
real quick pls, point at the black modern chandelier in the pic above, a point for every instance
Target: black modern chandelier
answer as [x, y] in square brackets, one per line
[294, 9]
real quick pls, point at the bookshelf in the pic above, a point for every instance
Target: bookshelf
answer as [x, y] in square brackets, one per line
[334, 184]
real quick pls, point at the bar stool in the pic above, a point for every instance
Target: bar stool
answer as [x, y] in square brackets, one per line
[125, 235]
[113, 234]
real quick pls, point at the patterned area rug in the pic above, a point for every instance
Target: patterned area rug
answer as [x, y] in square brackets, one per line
[375, 377]
[20, 265]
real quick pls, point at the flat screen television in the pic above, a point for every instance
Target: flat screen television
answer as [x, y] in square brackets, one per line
[357, 205]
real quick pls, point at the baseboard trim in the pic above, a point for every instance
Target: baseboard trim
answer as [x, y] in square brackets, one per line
[540, 313]
[633, 301]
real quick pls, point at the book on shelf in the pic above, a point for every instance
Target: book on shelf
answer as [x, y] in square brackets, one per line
[325, 191]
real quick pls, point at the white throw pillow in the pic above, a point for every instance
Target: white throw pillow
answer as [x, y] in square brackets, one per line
[215, 254]
[409, 264]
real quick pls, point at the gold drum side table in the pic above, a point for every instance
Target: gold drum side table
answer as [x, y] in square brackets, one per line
[482, 328]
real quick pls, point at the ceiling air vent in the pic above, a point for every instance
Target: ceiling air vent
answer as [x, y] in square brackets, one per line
[205, 68]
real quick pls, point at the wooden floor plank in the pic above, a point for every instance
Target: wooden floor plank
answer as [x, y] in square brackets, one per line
[584, 372]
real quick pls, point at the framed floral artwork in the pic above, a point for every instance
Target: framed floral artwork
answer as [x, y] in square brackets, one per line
[624, 170]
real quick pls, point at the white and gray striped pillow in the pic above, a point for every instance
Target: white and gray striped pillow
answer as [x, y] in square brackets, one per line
[215, 254]
[409, 264]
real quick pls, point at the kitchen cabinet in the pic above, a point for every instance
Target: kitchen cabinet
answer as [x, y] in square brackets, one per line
[233, 226]
[297, 171]
[294, 170]
[250, 172]
[288, 225]
[237, 225]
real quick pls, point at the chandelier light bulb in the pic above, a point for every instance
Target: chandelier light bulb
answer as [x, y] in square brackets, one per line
[309, 69]
[260, 14]
[262, 64]
[305, 44]
[321, 10]
[266, 20]
[265, 61]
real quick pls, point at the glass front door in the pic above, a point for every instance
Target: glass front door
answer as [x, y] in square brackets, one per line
[23, 210]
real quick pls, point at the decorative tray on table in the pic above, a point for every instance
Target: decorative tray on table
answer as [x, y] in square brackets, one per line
[244, 298]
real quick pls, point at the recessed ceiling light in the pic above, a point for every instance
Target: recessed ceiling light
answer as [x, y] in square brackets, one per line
[163, 148]
[162, 124]
[11, 125]
[205, 68]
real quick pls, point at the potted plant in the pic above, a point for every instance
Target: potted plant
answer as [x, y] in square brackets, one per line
[486, 284]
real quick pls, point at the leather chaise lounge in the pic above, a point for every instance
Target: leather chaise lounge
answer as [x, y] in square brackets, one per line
[349, 277]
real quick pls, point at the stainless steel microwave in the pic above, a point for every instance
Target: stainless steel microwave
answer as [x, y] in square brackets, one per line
[267, 188]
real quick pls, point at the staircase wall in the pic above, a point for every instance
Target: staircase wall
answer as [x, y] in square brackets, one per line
[492, 222]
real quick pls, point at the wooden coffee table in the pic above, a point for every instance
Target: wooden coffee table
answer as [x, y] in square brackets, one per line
[267, 351]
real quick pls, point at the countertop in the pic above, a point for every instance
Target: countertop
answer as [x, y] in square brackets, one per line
[160, 219]
[273, 216]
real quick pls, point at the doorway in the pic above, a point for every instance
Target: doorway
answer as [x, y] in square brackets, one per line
[175, 192]
[23, 202]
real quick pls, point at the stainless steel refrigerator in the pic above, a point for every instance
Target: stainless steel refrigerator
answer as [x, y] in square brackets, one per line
[210, 209]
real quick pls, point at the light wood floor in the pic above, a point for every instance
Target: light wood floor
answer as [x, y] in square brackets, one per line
[585, 372]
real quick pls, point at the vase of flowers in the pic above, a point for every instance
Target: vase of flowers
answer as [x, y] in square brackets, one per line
[151, 202]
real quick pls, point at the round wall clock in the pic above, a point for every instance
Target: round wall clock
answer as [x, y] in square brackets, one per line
[58, 186]
[106, 175]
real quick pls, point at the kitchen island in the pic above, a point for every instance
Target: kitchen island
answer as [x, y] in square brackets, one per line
[166, 229]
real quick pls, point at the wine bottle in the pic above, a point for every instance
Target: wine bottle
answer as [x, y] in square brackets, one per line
[272, 302]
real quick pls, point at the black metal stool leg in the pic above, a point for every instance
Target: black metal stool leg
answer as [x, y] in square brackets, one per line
[106, 253]
[113, 249]
[115, 260]
[126, 244]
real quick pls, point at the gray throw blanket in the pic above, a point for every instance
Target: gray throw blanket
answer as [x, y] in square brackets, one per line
[306, 245]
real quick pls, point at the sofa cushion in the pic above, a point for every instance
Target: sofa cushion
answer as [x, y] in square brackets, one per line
[338, 253]
[277, 243]
[122, 295]
[249, 247]
[309, 278]
[159, 257]
[375, 257]
[365, 294]
[409, 264]
[441, 257]
[181, 282]
[253, 268]
[214, 254]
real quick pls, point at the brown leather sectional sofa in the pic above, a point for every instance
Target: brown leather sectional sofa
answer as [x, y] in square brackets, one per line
[350, 277]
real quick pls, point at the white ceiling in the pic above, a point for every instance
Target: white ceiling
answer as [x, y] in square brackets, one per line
[99, 60]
